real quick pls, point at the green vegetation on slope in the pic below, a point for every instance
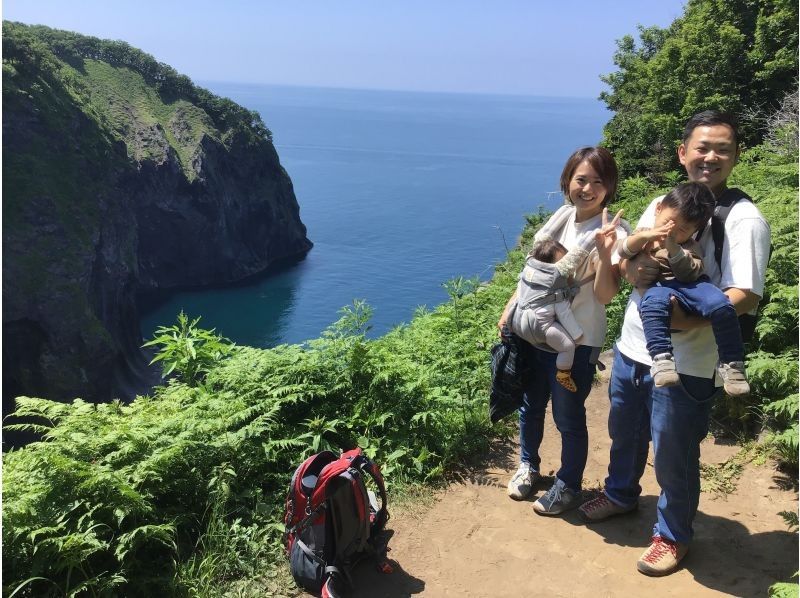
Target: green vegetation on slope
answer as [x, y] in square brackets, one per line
[130, 96]
[126, 498]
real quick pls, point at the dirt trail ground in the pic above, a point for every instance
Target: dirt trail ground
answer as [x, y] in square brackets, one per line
[475, 541]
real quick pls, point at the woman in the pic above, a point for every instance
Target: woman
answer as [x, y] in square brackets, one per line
[589, 182]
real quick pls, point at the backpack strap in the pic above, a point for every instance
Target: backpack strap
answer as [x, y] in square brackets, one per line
[722, 208]
[304, 521]
[382, 516]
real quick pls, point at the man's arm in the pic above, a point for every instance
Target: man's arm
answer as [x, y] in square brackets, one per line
[743, 302]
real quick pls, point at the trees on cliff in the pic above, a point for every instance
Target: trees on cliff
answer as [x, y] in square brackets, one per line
[25, 43]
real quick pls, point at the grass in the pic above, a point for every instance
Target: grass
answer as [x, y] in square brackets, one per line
[129, 105]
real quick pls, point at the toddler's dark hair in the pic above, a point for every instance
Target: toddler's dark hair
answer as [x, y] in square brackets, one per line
[545, 250]
[694, 201]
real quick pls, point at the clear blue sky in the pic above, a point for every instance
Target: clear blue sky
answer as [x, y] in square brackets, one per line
[535, 47]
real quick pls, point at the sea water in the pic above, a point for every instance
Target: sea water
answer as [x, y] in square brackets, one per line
[400, 191]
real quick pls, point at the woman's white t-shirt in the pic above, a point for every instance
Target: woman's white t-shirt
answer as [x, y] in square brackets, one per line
[588, 311]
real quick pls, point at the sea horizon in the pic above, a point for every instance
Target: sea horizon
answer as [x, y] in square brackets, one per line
[209, 83]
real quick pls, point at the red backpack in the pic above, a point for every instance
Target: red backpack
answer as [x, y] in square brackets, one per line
[332, 520]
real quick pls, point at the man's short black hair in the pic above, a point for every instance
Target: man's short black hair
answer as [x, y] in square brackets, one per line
[709, 118]
[693, 201]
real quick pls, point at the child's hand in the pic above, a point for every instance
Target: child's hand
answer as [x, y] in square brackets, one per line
[659, 233]
[671, 244]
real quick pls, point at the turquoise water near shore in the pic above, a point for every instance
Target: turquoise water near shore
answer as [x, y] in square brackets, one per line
[400, 191]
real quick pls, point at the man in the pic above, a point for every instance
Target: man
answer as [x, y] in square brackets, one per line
[677, 417]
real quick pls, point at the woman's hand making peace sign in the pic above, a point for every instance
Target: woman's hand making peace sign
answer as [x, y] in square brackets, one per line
[606, 237]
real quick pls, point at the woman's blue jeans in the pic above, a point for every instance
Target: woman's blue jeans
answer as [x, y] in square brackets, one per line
[676, 418]
[569, 412]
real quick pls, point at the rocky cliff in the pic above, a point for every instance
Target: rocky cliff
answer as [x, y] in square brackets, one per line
[120, 176]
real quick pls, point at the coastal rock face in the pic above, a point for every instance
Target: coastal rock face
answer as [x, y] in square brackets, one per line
[237, 216]
[112, 187]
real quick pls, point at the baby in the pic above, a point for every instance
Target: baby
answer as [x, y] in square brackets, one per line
[543, 314]
[678, 217]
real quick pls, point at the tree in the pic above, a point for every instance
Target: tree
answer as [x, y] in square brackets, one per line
[730, 55]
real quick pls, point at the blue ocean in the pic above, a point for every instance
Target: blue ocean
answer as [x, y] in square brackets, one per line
[400, 191]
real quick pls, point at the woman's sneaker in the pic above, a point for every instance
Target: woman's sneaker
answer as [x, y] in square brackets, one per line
[557, 500]
[734, 379]
[521, 483]
[602, 508]
[663, 370]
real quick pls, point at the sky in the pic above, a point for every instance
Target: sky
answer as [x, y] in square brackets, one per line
[533, 47]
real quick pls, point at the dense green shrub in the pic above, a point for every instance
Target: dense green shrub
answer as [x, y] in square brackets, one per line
[183, 490]
[733, 55]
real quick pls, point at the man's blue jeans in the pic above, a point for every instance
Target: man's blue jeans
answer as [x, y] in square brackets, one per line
[569, 412]
[676, 417]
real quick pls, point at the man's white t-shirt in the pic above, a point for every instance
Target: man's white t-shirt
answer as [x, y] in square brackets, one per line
[744, 266]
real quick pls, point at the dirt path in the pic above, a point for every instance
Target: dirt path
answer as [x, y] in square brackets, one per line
[475, 541]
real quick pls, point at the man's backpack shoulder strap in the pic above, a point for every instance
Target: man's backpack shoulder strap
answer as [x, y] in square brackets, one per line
[723, 207]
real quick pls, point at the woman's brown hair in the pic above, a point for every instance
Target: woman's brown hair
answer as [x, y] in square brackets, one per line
[601, 160]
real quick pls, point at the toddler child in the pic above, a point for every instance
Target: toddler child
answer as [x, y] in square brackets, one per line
[678, 217]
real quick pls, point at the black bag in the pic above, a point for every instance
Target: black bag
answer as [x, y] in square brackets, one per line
[510, 372]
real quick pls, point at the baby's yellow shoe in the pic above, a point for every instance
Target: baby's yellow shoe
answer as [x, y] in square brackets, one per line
[564, 378]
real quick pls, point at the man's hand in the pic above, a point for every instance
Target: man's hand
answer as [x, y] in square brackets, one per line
[641, 271]
[680, 320]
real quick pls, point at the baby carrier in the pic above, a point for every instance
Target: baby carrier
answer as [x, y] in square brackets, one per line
[541, 283]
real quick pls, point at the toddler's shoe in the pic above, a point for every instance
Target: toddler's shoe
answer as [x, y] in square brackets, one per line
[564, 378]
[734, 378]
[663, 370]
